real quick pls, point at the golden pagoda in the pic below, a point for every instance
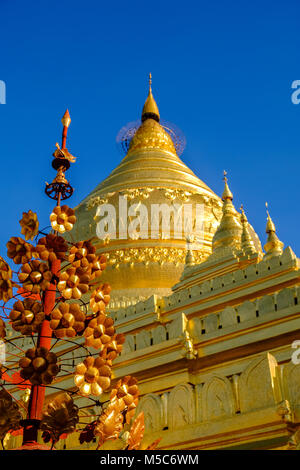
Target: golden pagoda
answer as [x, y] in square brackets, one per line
[212, 323]
[150, 173]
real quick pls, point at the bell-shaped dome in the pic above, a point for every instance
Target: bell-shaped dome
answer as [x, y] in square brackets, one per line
[150, 175]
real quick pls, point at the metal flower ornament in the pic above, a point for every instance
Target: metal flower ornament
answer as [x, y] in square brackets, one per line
[60, 341]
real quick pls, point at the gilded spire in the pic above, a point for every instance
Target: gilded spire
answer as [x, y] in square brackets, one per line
[273, 247]
[150, 109]
[189, 258]
[247, 243]
[151, 135]
[228, 233]
[227, 194]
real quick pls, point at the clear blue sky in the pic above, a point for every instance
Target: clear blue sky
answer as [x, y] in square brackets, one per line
[222, 72]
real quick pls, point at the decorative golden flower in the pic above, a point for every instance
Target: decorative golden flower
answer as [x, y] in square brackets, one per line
[39, 366]
[83, 257]
[114, 347]
[71, 285]
[67, 320]
[109, 425]
[126, 393]
[92, 376]
[10, 415]
[35, 276]
[99, 332]
[97, 266]
[29, 224]
[62, 218]
[81, 250]
[2, 329]
[78, 258]
[100, 298]
[52, 247]
[60, 416]
[19, 250]
[136, 432]
[27, 316]
[5, 271]
[6, 284]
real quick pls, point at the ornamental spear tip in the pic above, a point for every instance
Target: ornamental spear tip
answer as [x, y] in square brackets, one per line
[66, 119]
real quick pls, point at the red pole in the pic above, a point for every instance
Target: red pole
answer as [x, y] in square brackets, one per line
[37, 395]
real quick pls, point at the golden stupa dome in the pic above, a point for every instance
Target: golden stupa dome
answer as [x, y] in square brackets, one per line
[151, 174]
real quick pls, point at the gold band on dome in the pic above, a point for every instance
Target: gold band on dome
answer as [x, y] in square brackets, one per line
[151, 135]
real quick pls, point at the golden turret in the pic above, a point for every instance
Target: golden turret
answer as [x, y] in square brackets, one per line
[228, 233]
[273, 247]
[247, 244]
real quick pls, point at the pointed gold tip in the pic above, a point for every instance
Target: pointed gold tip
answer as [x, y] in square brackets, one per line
[227, 194]
[243, 215]
[270, 227]
[66, 119]
[150, 109]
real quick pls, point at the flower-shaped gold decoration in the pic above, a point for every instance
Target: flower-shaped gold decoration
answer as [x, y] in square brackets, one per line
[10, 415]
[2, 329]
[67, 320]
[84, 258]
[126, 393]
[92, 376]
[100, 298]
[109, 425]
[97, 266]
[62, 218]
[60, 416]
[6, 283]
[39, 366]
[136, 432]
[19, 250]
[72, 285]
[99, 332]
[27, 316]
[114, 347]
[35, 276]
[29, 224]
[52, 247]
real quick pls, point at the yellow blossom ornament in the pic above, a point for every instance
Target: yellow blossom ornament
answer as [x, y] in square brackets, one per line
[19, 250]
[71, 285]
[109, 425]
[27, 316]
[39, 366]
[100, 298]
[62, 219]
[29, 224]
[99, 332]
[35, 276]
[92, 376]
[67, 320]
[6, 283]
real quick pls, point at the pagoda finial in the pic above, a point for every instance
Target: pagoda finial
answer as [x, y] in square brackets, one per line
[273, 247]
[150, 109]
[227, 194]
[247, 244]
[228, 233]
[270, 227]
